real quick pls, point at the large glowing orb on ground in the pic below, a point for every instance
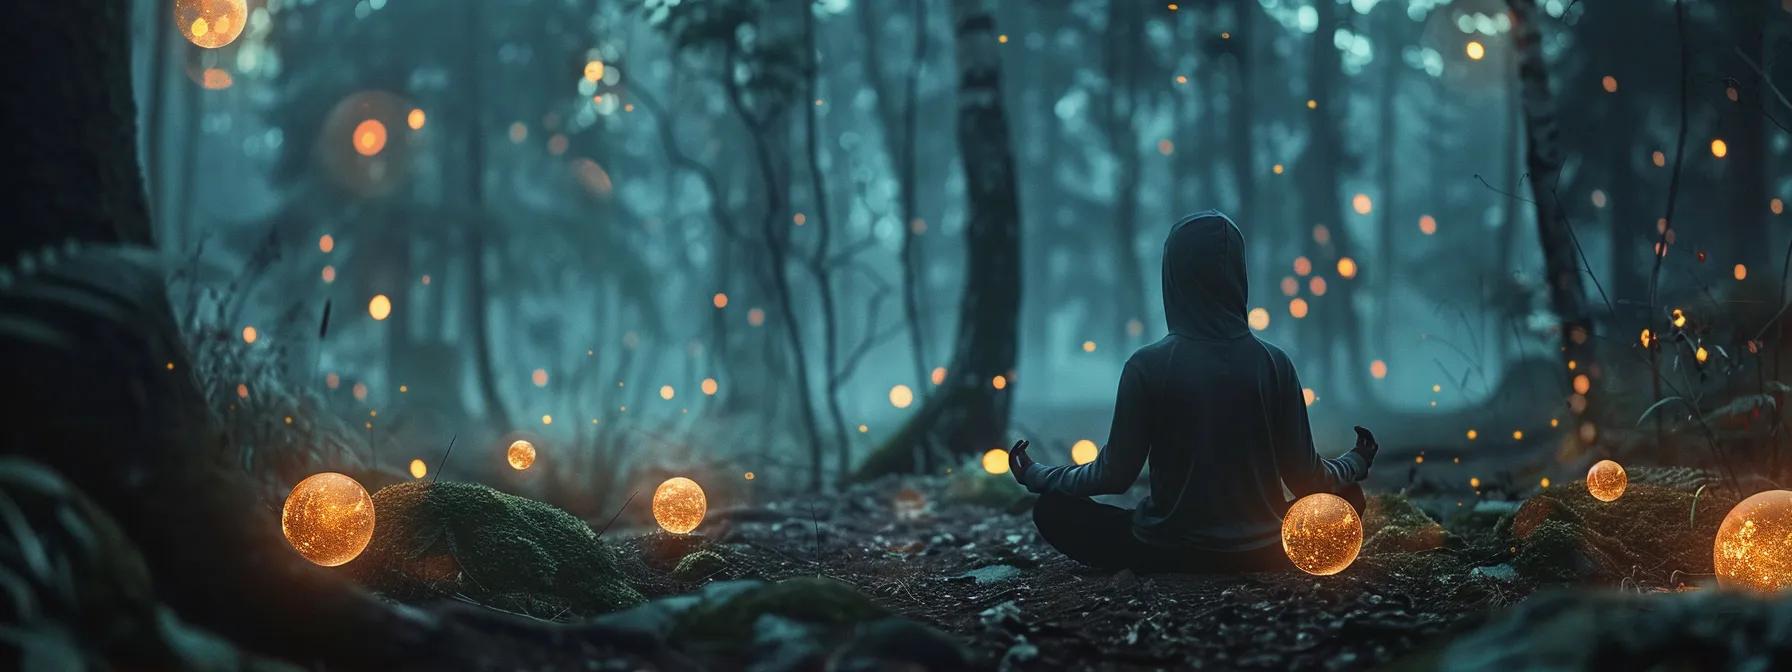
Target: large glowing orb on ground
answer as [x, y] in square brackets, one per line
[520, 455]
[1322, 534]
[679, 505]
[1753, 550]
[1606, 481]
[211, 23]
[328, 518]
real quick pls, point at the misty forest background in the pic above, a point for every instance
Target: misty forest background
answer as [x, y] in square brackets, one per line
[736, 240]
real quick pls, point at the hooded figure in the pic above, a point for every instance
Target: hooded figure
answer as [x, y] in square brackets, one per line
[1218, 415]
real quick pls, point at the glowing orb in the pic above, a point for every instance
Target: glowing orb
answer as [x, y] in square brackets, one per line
[1322, 534]
[521, 455]
[901, 396]
[1606, 481]
[419, 469]
[709, 387]
[1084, 451]
[211, 23]
[1258, 319]
[996, 461]
[1475, 50]
[328, 518]
[379, 307]
[370, 137]
[1346, 268]
[416, 119]
[1753, 550]
[679, 505]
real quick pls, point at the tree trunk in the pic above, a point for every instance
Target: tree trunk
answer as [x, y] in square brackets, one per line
[819, 264]
[478, 303]
[1121, 50]
[903, 159]
[970, 414]
[1543, 161]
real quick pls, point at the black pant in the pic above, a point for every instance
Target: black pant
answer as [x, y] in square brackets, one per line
[1100, 536]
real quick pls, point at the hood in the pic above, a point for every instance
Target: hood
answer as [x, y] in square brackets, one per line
[1204, 278]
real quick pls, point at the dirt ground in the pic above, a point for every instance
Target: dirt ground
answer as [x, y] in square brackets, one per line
[968, 562]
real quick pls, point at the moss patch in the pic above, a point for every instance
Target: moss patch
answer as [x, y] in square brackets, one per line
[440, 538]
[1654, 528]
[1391, 524]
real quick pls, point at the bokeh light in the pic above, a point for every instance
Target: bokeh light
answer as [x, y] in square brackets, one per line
[995, 461]
[1084, 451]
[419, 468]
[379, 307]
[211, 24]
[901, 396]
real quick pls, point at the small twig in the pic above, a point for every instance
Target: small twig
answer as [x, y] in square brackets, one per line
[443, 465]
[618, 514]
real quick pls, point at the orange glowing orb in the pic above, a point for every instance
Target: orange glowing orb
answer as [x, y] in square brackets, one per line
[679, 505]
[419, 469]
[996, 461]
[521, 455]
[370, 137]
[416, 119]
[1753, 550]
[1322, 534]
[1084, 451]
[379, 307]
[211, 23]
[328, 518]
[1258, 319]
[1606, 481]
[901, 396]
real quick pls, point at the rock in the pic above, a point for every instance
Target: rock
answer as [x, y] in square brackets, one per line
[977, 487]
[699, 566]
[433, 539]
[1702, 630]
[1501, 572]
[899, 644]
[729, 619]
[988, 574]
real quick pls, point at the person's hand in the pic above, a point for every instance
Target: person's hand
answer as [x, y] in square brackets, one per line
[1366, 445]
[1018, 460]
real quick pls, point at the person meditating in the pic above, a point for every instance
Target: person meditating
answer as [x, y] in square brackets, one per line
[1220, 417]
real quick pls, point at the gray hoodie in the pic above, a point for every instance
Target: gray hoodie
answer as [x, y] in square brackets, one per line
[1218, 413]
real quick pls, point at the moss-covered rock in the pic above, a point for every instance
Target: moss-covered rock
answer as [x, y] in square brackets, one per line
[1655, 527]
[444, 538]
[970, 484]
[1392, 524]
[699, 566]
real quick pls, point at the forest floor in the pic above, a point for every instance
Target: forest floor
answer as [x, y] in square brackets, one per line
[967, 561]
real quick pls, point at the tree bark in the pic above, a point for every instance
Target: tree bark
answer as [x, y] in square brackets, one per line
[478, 303]
[1120, 60]
[1543, 161]
[902, 157]
[970, 414]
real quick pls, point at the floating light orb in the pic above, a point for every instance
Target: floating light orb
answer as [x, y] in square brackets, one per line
[1302, 266]
[380, 307]
[709, 387]
[594, 71]
[999, 382]
[1427, 225]
[1582, 384]
[937, 375]
[666, 392]
[1297, 308]
[328, 518]
[1606, 481]
[1719, 148]
[1472, 434]
[1088, 346]
[1475, 50]
[520, 455]
[416, 119]
[326, 243]
[679, 505]
[1316, 285]
[1378, 369]
[215, 79]
[539, 377]
[1361, 204]
[419, 468]
[901, 396]
[996, 461]
[1346, 268]
[1753, 550]
[1258, 319]
[1740, 272]
[1308, 395]
[755, 317]
[249, 334]
[1322, 534]
[370, 137]
[1084, 451]
[720, 300]
[211, 23]
[1609, 83]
